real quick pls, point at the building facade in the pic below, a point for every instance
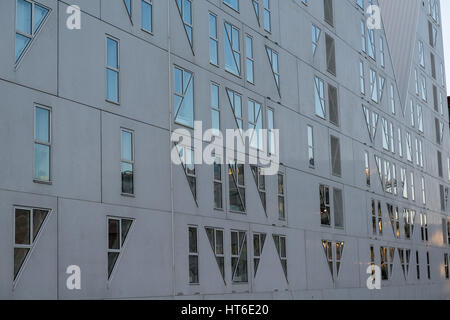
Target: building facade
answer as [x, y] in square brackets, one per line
[87, 177]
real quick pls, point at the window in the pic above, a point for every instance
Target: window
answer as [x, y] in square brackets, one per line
[382, 59]
[215, 109]
[446, 268]
[417, 265]
[280, 245]
[419, 152]
[409, 147]
[333, 249]
[187, 161]
[421, 55]
[428, 266]
[118, 230]
[215, 237]
[42, 144]
[232, 49]
[218, 184]
[281, 197]
[236, 105]
[250, 60]
[112, 70]
[328, 12]
[127, 162]
[127, 4]
[420, 118]
[382, 81]
[333, 105]
[385, 135]
[433, 66]
[404, 183]
[400, 142]
[260, 181]
[371, 122]
[338, 204]
[319, 97]
[367, 167]
[395, 220]
[363, 36]
[371, 39]
[424, 227]
[236, 186]
[446, 230]
[213, 40]
[439, 162]
[394, 179]
[270, 131]
[424, 88]
[373, 86]
[30, 16]
[335, 156]
[331, 54]
[325, 212]
[267, 15]
[413, 189]
[185, 10]
[273, 59]
[315, 38]
[408, 222]
[193, 256]
[424, 198]
[256, 8]
[183, 97]
[234, 4]
[384, 263]
[416, 81]
[27, 226]
[311, 157]
[362, 78]
[377, 218]
[444, 197]
[392, 99]
[239, 256]
[147, 15]
[258, 245]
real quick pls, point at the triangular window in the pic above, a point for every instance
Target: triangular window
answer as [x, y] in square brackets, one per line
[186, 155]
[215, 237]
[236, 186]
[185, 10]
[273, 60]
[27, 226]
[232, 49]
[256, 8]
[328, 250]
[258, 246]
[339, 252]
[118, 230]
[127, 4]
[236, 105]
[239, 256]
[29, 20]
[280, 245]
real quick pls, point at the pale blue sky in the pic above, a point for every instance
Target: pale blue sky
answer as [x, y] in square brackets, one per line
[445, 12]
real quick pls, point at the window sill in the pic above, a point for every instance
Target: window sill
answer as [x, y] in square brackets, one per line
[113, 102]
[128, 195]
[49, 183]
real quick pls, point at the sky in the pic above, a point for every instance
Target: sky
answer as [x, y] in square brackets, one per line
[445, 12]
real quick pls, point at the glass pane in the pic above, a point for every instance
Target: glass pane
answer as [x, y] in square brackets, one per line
[218, 195]
[39, 15]
[112, 53]
[215, 115]
[21, 44]
[177, 75]
[219, 242]
[127, 178]
[41, 162]
[112, 258]
[126, 225]
[19, 257]
[113, 234]
[38, 219]
[22, 227]
[234, 243]
[215, 96]
[193, 240]
[193, 269]
[146, 16]
[42, 127]
[127, 145]
[24, 16]
[112, 85]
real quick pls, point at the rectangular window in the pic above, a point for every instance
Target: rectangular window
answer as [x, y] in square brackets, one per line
[234, 4]
[325, 213]
[232, 49]
[404, 183]
[236, 104]
[239, 256]
[328, 12]
[311, 157]
[127, 162]
[42, 144]
[333, 105]
[417, 265]
[400, 142]
[281, 197]
[335, 156]
[424, 227]
[413, 189]
[118, 230]
[268, 15]
[213, 40]
[421, 55]
[236, 187]
[392, 96]
[270, 131]
[382, 62]
[362, 78]
[428, 266]
[280, 245]
[373, 86]
[367, 168]
[371, 39]
[218, 184]
[331, 54]
[193, 256]
[250, 60]
[409, 147]
[338, 203]
[112, 70]
[363, 36]
[420, 118]
[315, 38]
[27, 225]
[446, 268]
[260, 181]
[185, 10]
[258, 245]
[424, 197]
[147, 15]
[215, 109]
